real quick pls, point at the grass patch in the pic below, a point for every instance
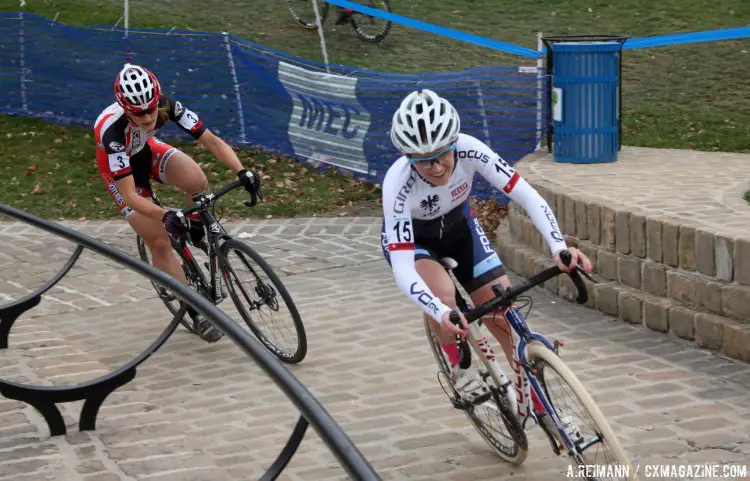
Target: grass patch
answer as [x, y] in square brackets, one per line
[50, 171]
[688, 96]
[747, 196]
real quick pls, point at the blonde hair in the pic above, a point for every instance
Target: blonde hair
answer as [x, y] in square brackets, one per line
[163, 115]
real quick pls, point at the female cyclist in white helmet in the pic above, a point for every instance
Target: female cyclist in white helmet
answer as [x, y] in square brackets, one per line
[129, 156]
[427, 216]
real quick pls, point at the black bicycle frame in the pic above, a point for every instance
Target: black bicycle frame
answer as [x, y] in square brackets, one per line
[215, 235]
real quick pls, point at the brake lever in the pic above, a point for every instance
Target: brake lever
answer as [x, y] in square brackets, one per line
[586, 274]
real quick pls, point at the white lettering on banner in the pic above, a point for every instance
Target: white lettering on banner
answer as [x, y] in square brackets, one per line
[328, 124]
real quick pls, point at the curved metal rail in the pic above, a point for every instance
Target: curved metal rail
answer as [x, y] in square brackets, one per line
[94, 392]
[10, 312]
[43, 398]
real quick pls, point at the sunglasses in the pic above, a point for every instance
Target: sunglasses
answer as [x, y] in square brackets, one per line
[144, 113]
[433, 159]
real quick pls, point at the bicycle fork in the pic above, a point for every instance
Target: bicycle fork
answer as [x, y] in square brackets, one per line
[518, 396]
[548, 419]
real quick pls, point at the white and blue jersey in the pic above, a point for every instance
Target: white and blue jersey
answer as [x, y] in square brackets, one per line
[422, 220]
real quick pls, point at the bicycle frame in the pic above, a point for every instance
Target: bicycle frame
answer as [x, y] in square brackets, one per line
[215, 236]
[521, 336]
[526, 381]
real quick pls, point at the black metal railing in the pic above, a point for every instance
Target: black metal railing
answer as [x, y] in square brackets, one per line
[45, 398]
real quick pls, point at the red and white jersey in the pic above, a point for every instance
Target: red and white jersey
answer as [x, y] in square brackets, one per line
[414, 207]
[120, 140]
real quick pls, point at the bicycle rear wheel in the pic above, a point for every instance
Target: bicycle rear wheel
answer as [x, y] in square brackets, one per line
[492, 419]
[243, 270]
[303, 13]
[548, 366]
[372, 29]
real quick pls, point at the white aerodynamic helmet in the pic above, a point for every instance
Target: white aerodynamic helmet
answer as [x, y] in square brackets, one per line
[424, 122]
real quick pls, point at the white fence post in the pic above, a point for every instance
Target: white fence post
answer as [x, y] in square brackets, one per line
[322, 36]
[539, 91]
[237, 95]
[480, 98]
[126, 23]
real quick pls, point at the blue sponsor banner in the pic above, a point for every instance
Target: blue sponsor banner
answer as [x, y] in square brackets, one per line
[251, 95]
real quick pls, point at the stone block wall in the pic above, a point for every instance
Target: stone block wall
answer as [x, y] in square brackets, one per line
[678, 279]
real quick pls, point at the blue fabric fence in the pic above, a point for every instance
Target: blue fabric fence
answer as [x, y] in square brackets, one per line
[251, 95]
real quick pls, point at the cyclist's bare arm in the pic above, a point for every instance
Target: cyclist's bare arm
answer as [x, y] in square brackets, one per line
[221, 150]
[189, 122]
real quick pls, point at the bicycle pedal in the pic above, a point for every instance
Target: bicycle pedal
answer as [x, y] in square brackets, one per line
[549, 428]
[460, 404]
[482, 399]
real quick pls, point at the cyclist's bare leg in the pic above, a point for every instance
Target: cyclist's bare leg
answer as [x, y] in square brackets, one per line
[185, 174]
[153, 234]
[441, 286]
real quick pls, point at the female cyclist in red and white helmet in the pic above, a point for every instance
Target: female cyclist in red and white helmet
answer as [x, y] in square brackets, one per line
[129, 156]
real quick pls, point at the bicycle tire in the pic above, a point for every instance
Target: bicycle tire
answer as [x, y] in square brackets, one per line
[303, 19]
[161, 292]
[517, 453]
[383, 31]
[537, 351]
[236, 245]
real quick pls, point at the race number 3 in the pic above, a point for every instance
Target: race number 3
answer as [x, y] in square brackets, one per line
[188, 120]
[118, 162]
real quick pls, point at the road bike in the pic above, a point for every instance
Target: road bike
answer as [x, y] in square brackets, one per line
[507, 411]
[260, 295]
[366, 27]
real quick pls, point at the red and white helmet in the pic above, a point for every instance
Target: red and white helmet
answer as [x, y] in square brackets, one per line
[136, 89]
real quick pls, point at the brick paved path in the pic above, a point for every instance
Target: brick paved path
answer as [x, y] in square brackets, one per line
[206, 412]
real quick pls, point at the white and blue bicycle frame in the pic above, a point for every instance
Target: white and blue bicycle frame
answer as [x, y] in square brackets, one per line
[521, 335]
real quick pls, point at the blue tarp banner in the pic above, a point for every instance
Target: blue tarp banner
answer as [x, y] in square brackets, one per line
[251, 95]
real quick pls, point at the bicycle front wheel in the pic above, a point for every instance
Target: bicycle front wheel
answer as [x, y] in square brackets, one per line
[259, 296]
[600, 445]
[304, 14]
